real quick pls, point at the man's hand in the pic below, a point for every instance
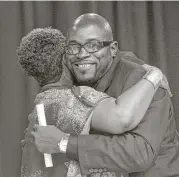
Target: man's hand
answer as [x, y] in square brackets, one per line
[47, 138]
[164, 84]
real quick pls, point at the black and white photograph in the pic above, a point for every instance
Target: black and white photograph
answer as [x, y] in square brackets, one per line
[89, 88]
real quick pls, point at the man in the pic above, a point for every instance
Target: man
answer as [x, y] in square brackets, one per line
[151, 149]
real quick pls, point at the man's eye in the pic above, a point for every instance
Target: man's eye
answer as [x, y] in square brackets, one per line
[73, 48]
[93, 45]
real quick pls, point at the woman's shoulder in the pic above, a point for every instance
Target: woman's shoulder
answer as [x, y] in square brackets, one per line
[53, 94]
[91, 94]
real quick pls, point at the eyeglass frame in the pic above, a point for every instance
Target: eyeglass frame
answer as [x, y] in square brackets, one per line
[102, 43]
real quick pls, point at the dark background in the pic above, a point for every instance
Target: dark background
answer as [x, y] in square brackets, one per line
[149, 29]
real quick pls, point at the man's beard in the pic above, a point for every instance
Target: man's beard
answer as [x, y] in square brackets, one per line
[89, 82]
[92, 82]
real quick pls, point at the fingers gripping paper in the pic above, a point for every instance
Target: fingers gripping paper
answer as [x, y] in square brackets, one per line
[42, 122]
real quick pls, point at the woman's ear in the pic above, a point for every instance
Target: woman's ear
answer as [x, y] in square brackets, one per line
[114, 48]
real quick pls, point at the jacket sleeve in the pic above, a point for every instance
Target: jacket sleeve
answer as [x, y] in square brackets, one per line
[133, 151]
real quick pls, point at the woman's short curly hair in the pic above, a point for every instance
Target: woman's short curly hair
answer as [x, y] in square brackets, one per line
[40, 54]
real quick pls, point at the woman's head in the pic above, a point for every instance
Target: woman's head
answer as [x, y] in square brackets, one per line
[40, 54]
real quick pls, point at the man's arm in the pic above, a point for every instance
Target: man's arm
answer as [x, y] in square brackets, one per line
[126, 111]
[133, 151]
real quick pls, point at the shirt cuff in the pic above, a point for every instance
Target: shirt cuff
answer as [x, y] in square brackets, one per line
[72, 147]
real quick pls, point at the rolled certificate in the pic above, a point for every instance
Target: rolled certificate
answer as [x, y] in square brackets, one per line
[42, 122]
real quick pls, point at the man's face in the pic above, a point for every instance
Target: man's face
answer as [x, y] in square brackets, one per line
[86, 67]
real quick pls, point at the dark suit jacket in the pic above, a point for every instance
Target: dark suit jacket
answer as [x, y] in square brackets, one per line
[149, 150]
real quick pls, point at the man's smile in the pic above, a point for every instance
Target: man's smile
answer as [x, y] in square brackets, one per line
[84, 66]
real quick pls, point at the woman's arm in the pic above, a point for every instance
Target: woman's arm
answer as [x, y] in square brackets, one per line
[119, 115]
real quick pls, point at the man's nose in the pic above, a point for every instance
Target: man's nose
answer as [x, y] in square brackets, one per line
[83, 54]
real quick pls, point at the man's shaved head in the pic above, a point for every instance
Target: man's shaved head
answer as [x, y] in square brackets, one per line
[91, 19]
[90, 48]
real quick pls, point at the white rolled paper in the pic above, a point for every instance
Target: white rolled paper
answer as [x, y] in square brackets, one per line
[42, 122]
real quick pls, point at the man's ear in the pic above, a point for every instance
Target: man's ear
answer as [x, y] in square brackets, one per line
[114, 48]
[64, 61]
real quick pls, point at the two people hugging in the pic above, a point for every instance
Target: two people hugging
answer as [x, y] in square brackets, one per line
[104, 107]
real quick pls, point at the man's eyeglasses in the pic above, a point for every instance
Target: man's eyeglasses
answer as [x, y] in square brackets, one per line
[74, 48]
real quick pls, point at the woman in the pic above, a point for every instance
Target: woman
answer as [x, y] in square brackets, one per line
[75, 109]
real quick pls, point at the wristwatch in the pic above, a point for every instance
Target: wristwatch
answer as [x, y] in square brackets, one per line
[63, 143]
